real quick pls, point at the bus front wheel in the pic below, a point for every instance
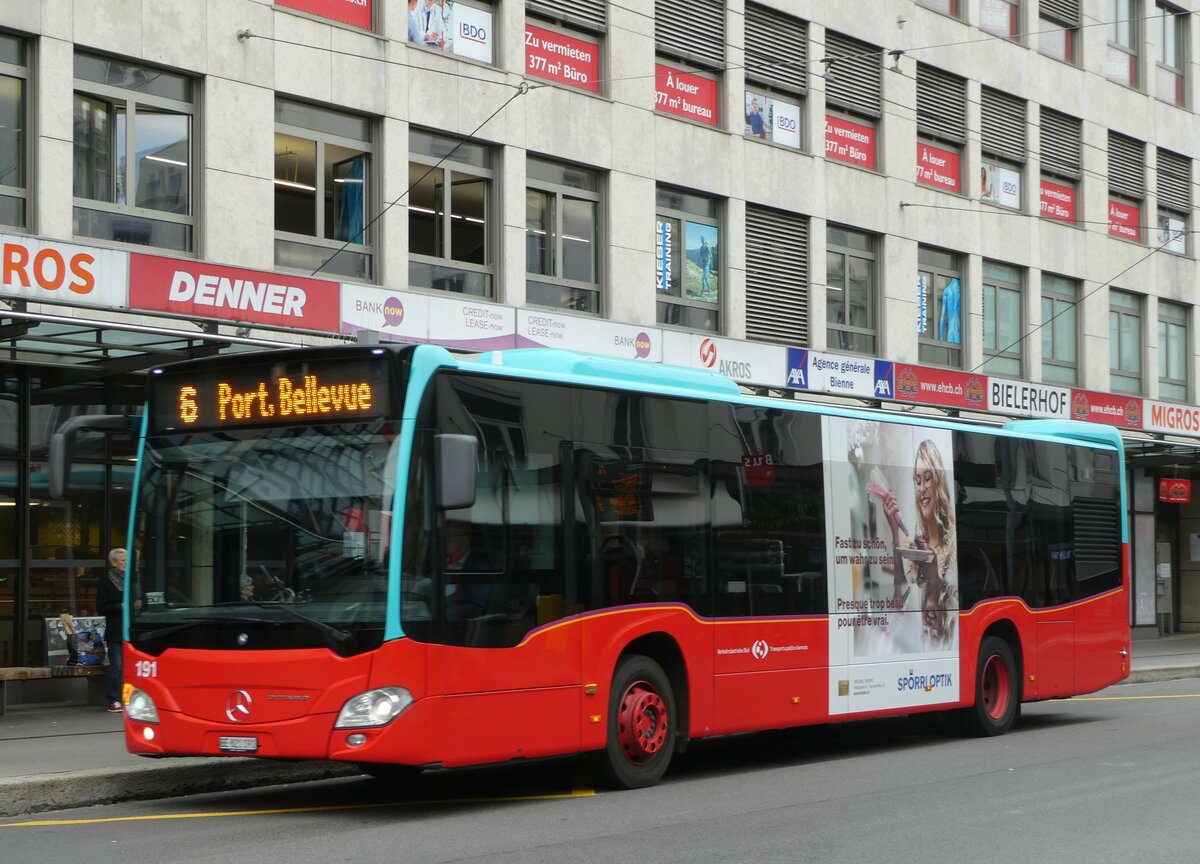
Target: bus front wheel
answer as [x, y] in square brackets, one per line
[997, 690]
[641, 726]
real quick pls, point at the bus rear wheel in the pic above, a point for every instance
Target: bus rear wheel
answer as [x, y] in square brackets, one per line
[641, 726]
[997, 690]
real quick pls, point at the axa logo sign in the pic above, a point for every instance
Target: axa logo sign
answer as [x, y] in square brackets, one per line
[797, 375]
[883, 379]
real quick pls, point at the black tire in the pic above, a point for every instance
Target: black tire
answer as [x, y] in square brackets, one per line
[400, 774]
[641, 726]
[997, 691]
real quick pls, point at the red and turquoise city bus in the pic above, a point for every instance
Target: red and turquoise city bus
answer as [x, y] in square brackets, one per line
[404, 559]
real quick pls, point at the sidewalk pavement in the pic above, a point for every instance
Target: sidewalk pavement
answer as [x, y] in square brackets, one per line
[57, 757]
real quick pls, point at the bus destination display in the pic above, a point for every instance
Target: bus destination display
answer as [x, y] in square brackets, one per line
[302, 393]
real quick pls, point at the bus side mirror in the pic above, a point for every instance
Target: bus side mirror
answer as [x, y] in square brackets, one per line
[62, 445]
[454, 471]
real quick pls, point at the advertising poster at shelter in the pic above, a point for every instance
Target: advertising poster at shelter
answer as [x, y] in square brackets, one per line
[893, 627]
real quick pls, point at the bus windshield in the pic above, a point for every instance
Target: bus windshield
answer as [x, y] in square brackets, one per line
[264, 538]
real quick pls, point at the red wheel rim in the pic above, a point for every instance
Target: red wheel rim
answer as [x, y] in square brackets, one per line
[997, 687]
[641, 722]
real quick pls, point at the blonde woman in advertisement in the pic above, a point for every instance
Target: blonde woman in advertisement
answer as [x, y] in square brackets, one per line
[933, 575]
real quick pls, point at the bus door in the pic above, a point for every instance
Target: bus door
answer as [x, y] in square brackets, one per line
[1101, 609]
[770, 572]
[507, 667]
[1051, 577]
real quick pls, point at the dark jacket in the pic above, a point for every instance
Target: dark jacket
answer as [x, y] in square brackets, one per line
[110, 602]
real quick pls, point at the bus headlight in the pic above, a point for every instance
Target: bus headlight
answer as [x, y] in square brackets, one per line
[373, 708]
[140, 707]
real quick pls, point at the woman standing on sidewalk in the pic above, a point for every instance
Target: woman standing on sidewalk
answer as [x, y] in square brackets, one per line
[110, 602]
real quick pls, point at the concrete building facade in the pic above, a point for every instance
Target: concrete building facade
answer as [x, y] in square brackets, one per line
[992, 188]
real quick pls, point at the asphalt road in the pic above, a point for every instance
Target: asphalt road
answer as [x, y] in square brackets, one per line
[1109, 778]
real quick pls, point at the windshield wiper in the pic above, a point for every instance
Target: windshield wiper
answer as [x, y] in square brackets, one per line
[335, 637]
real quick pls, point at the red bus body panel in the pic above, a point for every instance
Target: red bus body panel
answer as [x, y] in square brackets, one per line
[549, 695]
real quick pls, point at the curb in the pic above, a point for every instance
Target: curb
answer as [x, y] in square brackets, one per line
[71, 789]
[1162, 673]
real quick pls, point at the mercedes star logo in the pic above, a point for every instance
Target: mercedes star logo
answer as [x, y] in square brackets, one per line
[237, 706]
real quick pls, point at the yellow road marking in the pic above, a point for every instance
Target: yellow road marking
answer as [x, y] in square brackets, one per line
[277, 811]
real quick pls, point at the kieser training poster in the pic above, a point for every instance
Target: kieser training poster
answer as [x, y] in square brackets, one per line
[891, 534]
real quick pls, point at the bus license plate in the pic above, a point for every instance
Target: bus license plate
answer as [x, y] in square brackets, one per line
[238, 745]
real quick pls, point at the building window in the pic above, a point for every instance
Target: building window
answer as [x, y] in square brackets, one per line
[562, 41]
[323, 182]
[1058, 28]
[460, 27]
[1060, 330]
[1126, 186]
[691, 30]
[1003, 148]
[1061, 143]
[776, 75]
[1172, 352]
[450, 235]
[941, 128]
[1174, 201]
[14, 76]
[1121, 63]
[1171, 27]
[562, 217]
[357, 13]
[1124, 342]
[854, 100]
[1001, 18]
[940, 303]
[133, 178]
[687, 244]
[776, 276]
[946, 7]
[850, 292]
[1002, 327]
